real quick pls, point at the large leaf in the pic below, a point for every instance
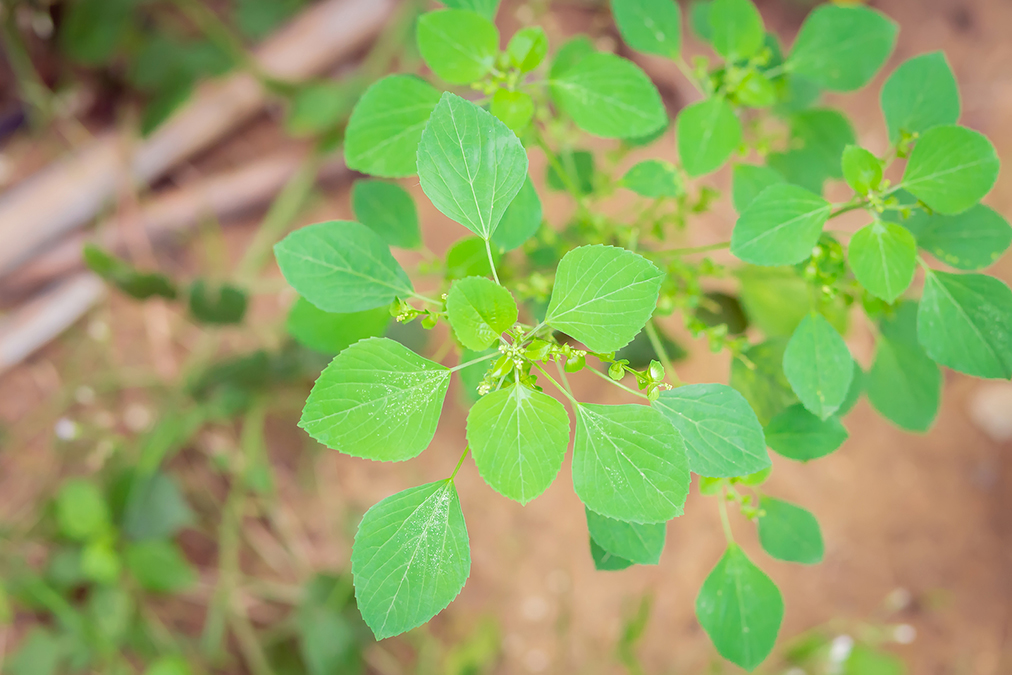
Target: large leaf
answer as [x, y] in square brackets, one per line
[736, 29]
[604, 561]
[919, 95]
[518, 438]
[479, 311]
[653, 178]
[603, 296]
[789, 532]
[818, 365]
[951, 168]
[904, 385]
[629, 463]
[330, 333]
[459, 46]
[411, 558]
[708, 132]
[740, 608]
[965, 322]
[388, 210]
[608, 96]
[641, 544]
[650, 26]
[797, 434]
[883, 257]
[470, 164]
[384, 128]
[341, 266]
[780, 226]
[378, 400]
[971, 240]
[841, 47]
[722, 435]
[521, 219]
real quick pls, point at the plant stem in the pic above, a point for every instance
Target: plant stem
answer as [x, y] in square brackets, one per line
[617, 384]
[557, 385]
[474, 361]
[724, 521]
[553, 161]
[662, 353]
[694, 249]
[562, 376]
[491, 262]
[688, 74]
[460, 462]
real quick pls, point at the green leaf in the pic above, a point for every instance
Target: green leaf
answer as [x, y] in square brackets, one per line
[919, 95]
[169, 665]
[608, 96]
[649, 26]
[122, 275]
[378, 400]
[487, 8]
[821, 136]
[740, 608]
[818, 365]
[699, 18]
[780, 227]
[641, 544]
[864, 660]
[756, 91]
[39, 653]
[159, 565]
[468, 258]
[518, 437]
[386, 125]
[257, 18]
[99, 563]
[330, 333]
[841, 47]
[458, 45]
[789, 532]
[965, 322]
[528, 48]
[388, 210]
[577, 169]
[629, 463]
[653, 178]
[798, 168]
[411, 558]
[470, 164]
[861, 169]
[521, 219]
[572, 52]
[472, 375]
[759, 377]
[222, 305]
[514, 108]
[341, 266]
[708, 133]
[153, 507]
[951, 168]
[971, 240]
[479, 311]
[81, 510]
[883, 257]
[722, 435]
[797, 434]
[904, 385]
[748, 180]
[603, 561]
[736, 29]
[777, 298]
[603, 296]
[318, 108]
[854, 392]
[92, 30]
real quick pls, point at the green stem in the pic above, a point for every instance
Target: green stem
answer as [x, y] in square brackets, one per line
[724, 520]
[425, 298]
[556, 384]
[491, 262]
[694, 249]
[474, 361]
[617, 384]
[562, 376]
[460, 462]
[662, 353]
[555, 163]
[33, 89]
[689, 75]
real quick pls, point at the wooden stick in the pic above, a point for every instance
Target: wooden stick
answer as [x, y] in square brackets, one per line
[69, 193]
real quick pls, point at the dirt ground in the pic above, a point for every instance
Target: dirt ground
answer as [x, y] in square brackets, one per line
[928, 515]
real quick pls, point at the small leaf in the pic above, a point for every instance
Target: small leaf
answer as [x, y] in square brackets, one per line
[81, 510]
[883, 257]
[92, 30]
[341, 266]
[861, 169]
[514, 108]
[330, 333]
[459, 45]
[797, 434]
[528, 48]
[748, 180]
[518, 437]
[789, 532]
[470, 164]
[479, 311]
[378, 400]
[159, 566]
[411, 558]
[965, 322]
[841, 47]
[759, 377]
[486, 8]
[722, 436]
[649, 26]
[388, 210]
[653, 178]
[951, 168]
[818, 365]
[521, 219]
[699, 18]
[604, 561]
[122, 275]
[603, 296]
[608, 96]
[223, 305]
[904, 385]
[708, 133]
[820, 137]
[629, 463]
[780, 227]
[736, 29]
[152, 506]
[169, 665]
[637, 543]
[919, 95]
[971, 240]
[386, 125]
[740, 608]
